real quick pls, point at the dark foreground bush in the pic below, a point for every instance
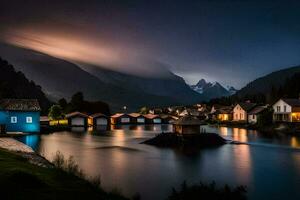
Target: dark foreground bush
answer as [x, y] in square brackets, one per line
[208, 191]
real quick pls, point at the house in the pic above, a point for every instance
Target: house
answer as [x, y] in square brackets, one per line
[167, 119]
[137, 118]
[287, 110]
[98, 119]
[77, 119]
[19, 115]
[224, 113]
[255, 113]
[153, 119]
[44, 121]
[240, 111]
[120, 118]
[187, 125]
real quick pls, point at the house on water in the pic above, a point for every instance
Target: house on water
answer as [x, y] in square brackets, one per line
[286, 110]
[99, 119]
[187, 125]
[20, 115]
[153, 119]
[137, 118]
[120, 118]
[77, 119]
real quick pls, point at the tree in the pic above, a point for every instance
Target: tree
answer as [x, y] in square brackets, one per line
[55, 112]
[63, 103]
[144, 110]
[77, 101]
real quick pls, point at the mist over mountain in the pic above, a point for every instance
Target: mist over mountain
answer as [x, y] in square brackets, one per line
[60, 78]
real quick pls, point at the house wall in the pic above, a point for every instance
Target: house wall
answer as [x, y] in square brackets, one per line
[282, 111]
[20, 125]
[252, 119]
[239, 114]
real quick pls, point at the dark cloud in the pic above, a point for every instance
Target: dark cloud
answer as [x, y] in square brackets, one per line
[229, 41]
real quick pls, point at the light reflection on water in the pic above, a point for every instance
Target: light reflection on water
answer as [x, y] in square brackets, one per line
[269, 166]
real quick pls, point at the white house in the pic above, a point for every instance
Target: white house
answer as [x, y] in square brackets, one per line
[240, 111]
[287, 110]
[254, 114]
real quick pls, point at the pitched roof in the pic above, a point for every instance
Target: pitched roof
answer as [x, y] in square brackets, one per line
[74, 114]
[256, 110]
[118, 115]
[247, 106]
[188, 120]
[20, 105]
[151, 116]
[98, 115]
[292, 102]
[135, 115]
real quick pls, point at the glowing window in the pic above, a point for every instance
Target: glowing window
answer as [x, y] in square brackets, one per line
[13, 119]
[28, 120]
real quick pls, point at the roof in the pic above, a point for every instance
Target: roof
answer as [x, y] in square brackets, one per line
[20, 105]
[118, 115]
[247, 106]
[292, 102]
[256, 110]
[44, 119]
[135, 115]
[188, 120]
[98, 115]
[151, 116]
[75, 114]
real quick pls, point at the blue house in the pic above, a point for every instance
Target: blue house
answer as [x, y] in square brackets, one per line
[20, 115]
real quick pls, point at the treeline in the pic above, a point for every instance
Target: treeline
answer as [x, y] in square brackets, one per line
[14, 84]
[77, 103]
[289, 89]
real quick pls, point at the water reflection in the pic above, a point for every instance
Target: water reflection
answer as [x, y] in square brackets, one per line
[120, 159]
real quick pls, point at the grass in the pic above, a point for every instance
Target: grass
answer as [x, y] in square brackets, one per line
[21, 180]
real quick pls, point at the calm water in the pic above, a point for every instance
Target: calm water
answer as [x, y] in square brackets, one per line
[268, 166]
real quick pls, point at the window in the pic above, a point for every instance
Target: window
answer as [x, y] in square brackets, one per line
[13, 119]
[125, 120]
[253, 116]
[284, 108]
[28, 120]
[278, 108]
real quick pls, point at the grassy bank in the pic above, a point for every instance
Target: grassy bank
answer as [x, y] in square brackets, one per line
[21, 180]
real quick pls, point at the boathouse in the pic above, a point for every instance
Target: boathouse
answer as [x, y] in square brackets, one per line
[99, 119]
[137, 118]
[77, 119]
[187, 125]
[120, 118]
[153, 119]
[19, 115]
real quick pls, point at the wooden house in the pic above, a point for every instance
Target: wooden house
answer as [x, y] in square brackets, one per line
[153, 119]
[77, 119]
[224, 113]
[120, 118]
[187, 125]
[240, 111]
[286, 110]
[19, 115]
[137, 118]
[99, 119]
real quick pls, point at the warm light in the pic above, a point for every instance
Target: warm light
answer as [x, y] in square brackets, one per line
[58, 122]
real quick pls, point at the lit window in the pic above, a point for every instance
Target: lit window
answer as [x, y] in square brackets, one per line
[28, 120]
[13, 120]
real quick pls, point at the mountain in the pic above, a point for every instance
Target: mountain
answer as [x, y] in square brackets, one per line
[210, 90]
[14, 84]
[231, 90]
[263, 85]
[60, 78]
[172, 86]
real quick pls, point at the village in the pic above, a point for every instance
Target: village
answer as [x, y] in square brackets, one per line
[23, 115]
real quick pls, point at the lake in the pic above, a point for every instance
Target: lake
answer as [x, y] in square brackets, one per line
[269, 165]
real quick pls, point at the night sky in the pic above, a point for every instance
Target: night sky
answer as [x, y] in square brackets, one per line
[232, 42]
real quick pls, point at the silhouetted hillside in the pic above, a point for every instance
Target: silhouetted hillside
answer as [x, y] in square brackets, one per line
[14, 84]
